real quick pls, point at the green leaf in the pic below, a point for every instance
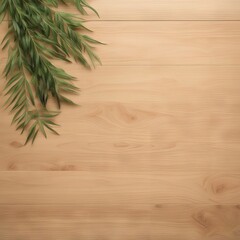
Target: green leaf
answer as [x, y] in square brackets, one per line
[36, 35]
[31, 133]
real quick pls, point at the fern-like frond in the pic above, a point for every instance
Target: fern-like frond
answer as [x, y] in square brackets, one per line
[36, 34]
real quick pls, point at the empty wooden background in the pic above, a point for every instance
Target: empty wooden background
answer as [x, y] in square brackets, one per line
[153, 153]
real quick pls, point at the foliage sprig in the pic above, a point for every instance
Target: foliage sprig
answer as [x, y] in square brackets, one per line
[38, 33]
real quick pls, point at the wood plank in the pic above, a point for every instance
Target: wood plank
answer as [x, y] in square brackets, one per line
[145, 221]
[166, 43]
[164, 10]
[139, 119]
[69, 155]
[198, 88]
[117, 188]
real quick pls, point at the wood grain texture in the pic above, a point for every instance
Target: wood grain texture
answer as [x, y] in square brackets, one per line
[153, 152]
[145, 221]
[139, 119]
[164, 10]
[166, 43]
[116, 188]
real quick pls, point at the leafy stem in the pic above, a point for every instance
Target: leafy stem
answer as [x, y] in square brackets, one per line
[36, 34]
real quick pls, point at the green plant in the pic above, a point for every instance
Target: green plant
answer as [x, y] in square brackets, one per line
[38, 33]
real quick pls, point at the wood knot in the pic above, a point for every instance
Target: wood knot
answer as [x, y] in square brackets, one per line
[12, 166]
[202, 219]
[16, 144]
[219, 188]
[238, 206]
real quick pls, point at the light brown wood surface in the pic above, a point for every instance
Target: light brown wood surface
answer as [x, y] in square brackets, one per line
[149, 43]
[153, 152]
[163, 10]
